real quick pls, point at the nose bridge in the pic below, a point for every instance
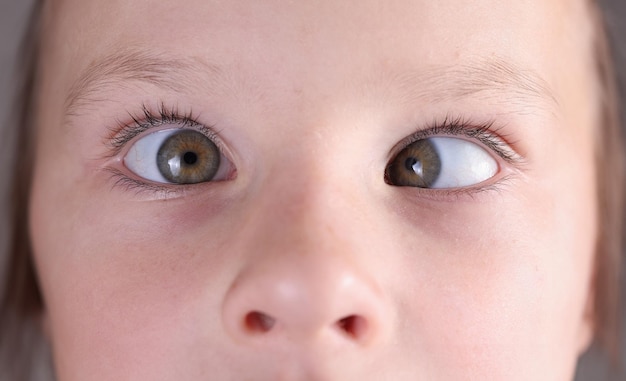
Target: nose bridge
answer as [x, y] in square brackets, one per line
[303, 204]
[308, 181]
[306, 272]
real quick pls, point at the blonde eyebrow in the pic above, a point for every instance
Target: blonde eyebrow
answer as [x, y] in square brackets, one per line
[495, 79]
[117, 69]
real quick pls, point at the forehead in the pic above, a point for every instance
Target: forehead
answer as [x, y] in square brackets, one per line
[314, 43]
[433, 29]
[438, 19]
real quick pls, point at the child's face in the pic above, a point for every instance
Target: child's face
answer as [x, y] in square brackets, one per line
[303, 260]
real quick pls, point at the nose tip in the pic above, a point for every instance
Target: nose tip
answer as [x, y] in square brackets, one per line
[295, 303]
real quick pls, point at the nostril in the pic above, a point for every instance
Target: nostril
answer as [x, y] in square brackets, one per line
[353, 326]
[258, 322]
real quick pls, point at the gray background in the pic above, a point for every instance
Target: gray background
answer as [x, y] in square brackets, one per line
[593, 367]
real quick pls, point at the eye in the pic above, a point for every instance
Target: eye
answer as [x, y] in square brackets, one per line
[179, 156]
[441, 162]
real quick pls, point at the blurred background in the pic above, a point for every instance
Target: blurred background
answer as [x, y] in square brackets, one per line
[13, 13]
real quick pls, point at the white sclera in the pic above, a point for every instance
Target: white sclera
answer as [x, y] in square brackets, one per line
[463, 163]
[141, 159]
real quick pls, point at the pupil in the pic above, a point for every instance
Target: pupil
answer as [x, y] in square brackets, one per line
[190, 158]
[410, 162]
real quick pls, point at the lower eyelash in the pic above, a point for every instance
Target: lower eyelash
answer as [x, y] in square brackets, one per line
[125, 132]
[127, 183]
[460, 194]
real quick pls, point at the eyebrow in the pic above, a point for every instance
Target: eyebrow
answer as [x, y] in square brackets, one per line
[494, 79]
[121, 68]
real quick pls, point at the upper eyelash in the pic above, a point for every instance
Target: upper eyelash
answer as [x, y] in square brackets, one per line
[124, 132]
[485, 132]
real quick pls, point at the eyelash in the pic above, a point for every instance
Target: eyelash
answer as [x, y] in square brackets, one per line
[147, 119]
[487, 133]
[138, 123]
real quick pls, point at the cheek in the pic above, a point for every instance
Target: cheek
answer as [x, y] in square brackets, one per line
[137, 286]
[505, 283]
[500, 299]
[480, 286]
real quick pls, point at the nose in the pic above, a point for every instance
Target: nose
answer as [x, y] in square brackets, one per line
[304, 282]
[301, 298]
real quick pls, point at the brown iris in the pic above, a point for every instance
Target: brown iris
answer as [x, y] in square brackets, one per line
[188, 157]
[417, 165]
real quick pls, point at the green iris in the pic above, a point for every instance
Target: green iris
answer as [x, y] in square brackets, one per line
[188, 157]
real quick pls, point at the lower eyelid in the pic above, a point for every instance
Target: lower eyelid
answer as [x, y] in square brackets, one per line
[485, 190]
[120, 179]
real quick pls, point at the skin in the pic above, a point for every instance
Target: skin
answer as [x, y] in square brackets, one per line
[309, 100]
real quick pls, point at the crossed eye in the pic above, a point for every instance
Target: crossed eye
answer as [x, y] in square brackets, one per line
[178, 156]
[441, 162]
[187, 156]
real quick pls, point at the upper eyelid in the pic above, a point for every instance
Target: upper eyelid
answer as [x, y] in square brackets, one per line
[486, 133]
[125, 132]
